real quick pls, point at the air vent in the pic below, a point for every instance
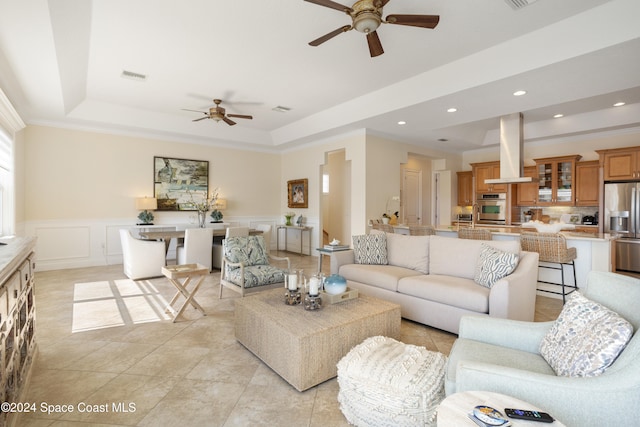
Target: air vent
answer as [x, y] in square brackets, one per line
[133, 76]
[519, 4]
[281, 109]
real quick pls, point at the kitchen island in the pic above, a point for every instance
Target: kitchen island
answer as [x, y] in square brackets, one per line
[593, 249]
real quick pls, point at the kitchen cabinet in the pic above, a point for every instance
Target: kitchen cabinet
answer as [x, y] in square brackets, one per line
[528, 193]
[588, 183]
[621, 164]
[556, 180]
[488, 170]
[465, 188]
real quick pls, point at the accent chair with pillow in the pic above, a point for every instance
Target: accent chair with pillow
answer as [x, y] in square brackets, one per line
[246, 267]
[583, 368]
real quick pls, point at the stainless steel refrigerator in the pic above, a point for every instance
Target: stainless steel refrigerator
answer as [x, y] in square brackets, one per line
[622, 218]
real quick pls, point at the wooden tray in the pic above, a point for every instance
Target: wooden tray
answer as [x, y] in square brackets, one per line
[333, 299]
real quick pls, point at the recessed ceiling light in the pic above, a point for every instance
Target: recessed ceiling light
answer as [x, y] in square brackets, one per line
[618, 104]
[519, 92]
[452, 110]
[557, 116]
[402, 122]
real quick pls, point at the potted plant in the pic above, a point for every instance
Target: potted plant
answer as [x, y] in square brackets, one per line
[216, 215]
[385, 218]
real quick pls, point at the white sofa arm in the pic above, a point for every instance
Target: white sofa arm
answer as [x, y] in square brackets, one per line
[514, 296]
[339, 258]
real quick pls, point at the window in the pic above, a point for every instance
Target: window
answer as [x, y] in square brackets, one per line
[325, 183]
[6, 184]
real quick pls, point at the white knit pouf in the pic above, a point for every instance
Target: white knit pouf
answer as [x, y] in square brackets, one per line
[384, 382]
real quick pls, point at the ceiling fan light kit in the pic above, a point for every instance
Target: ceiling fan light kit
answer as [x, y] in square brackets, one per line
[366, 17]
[218, 114]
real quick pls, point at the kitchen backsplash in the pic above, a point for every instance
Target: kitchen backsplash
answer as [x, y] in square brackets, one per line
[555, 212]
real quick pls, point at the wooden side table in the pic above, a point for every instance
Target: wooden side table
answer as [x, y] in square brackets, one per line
[454, 410]
[187, 273]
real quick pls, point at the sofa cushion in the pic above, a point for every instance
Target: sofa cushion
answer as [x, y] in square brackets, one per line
[380, 276]
[449, 290]
[586, 338]
[370, 248]
[408, 251]
[493, 265]
[457, 257]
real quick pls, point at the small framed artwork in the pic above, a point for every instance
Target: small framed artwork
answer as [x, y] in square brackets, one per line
[298, 190]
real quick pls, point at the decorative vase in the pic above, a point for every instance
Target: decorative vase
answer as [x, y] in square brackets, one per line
[202, 216]
[385, 220]
[335, 284]
[288, 222]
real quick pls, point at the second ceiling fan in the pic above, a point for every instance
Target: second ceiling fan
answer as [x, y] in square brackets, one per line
[218, 113]
[366, 17]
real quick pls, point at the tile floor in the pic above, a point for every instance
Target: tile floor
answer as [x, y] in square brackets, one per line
[106, 347]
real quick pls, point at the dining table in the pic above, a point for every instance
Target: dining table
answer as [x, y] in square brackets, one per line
[167, 235]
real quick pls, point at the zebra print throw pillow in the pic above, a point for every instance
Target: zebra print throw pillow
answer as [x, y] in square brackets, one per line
[493, 264]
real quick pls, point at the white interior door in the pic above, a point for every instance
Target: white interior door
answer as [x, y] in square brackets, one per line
[412, 196]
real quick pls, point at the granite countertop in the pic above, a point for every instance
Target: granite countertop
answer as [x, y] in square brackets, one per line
[13, 253]
[515, 231]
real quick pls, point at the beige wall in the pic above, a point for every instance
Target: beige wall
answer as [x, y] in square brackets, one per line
[73, 174]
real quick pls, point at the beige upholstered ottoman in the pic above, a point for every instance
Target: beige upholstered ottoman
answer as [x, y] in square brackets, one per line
[384, 382]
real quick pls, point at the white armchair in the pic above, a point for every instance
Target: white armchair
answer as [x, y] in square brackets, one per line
[141, 258]
[197, 248]
[503, 356]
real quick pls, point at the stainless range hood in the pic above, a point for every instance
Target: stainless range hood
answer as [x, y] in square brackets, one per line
[511, 151]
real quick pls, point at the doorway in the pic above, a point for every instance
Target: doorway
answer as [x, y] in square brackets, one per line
[412, 195]
[336, 198]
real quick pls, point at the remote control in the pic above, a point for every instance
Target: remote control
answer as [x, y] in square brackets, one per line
[522, 414]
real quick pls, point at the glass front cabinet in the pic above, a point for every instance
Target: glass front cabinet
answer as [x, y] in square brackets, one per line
[556, 180]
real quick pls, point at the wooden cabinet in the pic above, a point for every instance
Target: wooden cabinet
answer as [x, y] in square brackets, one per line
[528, 193]
[556, 180]
[621, 164]
[465, 188]
[588, 183]
[489, 170]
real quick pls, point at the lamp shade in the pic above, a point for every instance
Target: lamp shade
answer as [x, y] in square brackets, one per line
[220, 204]
[144, 203]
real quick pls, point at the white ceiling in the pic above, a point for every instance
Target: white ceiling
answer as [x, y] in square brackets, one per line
[61, 63]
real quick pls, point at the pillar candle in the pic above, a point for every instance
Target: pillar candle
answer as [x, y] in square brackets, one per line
[293, 282]
[313, 286]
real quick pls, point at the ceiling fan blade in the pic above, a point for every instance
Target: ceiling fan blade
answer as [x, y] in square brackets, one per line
[228, 121]
[328, 36]
[375, 46]
[201, 118]
[240, 116]
[332, 5]
[195, 111]
[422, 21]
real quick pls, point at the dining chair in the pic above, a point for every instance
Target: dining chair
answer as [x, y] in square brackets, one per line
[474, 234]
[197, 247]
[421, 230]
[141, 258]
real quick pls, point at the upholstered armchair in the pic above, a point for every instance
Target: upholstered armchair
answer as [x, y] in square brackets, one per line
[141, 258]
[504, 356]
[246, 267]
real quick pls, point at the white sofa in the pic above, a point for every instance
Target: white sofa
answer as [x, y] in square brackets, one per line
[432, 279]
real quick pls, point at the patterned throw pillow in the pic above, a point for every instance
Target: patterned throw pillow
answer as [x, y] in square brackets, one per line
[586, 338]
[246, 249]
[370, 248]
[493, 264]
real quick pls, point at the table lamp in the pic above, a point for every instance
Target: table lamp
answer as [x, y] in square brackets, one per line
[145, 204]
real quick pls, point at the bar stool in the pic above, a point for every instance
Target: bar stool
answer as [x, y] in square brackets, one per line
[553, 249]
[421, 230]
[474, 234]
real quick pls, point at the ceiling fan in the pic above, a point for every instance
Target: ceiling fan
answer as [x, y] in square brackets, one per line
[366, 17]
[218, 113]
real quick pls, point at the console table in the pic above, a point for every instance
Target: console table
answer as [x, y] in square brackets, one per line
[300, 229]
[17, 320]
